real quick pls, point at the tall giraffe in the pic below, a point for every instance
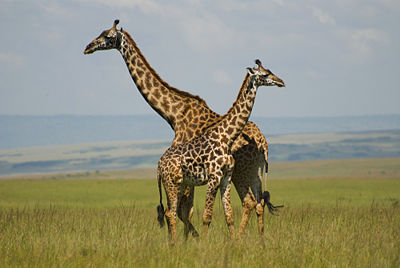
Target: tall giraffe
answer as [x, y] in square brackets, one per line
[189, 116]
[207, 159]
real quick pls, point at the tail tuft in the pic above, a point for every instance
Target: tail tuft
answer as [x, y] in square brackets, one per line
[161, 213]
[272, 209]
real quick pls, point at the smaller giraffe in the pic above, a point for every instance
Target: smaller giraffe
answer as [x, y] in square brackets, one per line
[207, 159]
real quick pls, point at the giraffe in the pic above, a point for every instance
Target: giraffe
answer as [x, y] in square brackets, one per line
[207, 159]
[189, 116]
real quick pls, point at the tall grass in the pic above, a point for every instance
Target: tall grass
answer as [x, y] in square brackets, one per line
[336, 221]
[129, 236]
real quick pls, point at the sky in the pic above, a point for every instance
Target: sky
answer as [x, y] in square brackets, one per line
[337, 58]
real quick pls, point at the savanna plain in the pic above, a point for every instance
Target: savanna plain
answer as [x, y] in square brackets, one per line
[337, 213]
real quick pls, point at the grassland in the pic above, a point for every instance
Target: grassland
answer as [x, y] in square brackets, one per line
[343, 213]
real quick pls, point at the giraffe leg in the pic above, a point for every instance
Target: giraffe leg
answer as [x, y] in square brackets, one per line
[185, 211]
[260, 217]
[247, 183]
[181, 211]
[248, 202]
[192, 230]
[226, 203]
[253, 197]
[208, 210]
[189, 213]
[170, 213]
[257, 184]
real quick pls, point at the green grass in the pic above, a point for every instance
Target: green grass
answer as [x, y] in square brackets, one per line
[96, 193]
[348, 216]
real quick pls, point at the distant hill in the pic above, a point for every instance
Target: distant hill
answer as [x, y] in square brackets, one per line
[145, 154]
[343, 145]
[28, 131]
[296, 125]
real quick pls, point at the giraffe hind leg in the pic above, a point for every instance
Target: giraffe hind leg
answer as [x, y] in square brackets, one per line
[249, 203]
[185, 211]
[247, 187]
[260, 217]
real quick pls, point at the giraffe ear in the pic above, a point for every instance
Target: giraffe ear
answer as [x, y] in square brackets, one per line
[250, 71]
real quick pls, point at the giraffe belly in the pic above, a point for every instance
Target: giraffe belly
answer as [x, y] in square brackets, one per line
[195, 175]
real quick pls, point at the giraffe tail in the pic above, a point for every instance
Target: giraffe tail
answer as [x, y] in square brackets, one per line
[160, 207]
[265, 169]
[271, 208]
[266, 196]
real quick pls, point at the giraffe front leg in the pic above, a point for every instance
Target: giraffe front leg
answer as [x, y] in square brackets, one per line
[170, 213]
[208, 210]
[226, 203]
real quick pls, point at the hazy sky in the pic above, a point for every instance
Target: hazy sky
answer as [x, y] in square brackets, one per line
[338, 57]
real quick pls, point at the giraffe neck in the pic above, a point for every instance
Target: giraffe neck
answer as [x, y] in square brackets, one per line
[232, 123]
[167, 101]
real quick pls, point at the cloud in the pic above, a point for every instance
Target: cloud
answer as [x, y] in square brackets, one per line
[56, 10]
[368, 35]
[314, 74]
[146, 6]
[278, 2]
[363, 43]
[322, 16]
[12, 60]
[221, 77]
[393, 4]
[364, 40]
[205, 32]
[202, 29]
[229, 5]
[199, 24]
[203, 25]
[52, 37]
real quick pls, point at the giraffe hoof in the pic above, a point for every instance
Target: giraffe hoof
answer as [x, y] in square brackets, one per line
[195, 234]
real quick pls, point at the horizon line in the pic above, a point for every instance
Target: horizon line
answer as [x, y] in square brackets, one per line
[156, 115]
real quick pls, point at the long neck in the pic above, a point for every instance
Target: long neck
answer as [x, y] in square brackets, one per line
[232, 123]
[167, 101]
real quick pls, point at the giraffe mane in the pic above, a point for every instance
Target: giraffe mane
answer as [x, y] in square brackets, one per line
[164, 83]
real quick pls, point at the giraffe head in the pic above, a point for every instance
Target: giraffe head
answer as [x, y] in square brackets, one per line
[108, 39]
[262, 77]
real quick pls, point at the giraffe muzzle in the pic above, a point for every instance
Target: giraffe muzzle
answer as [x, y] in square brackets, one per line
[278, 82]
[89, 49]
